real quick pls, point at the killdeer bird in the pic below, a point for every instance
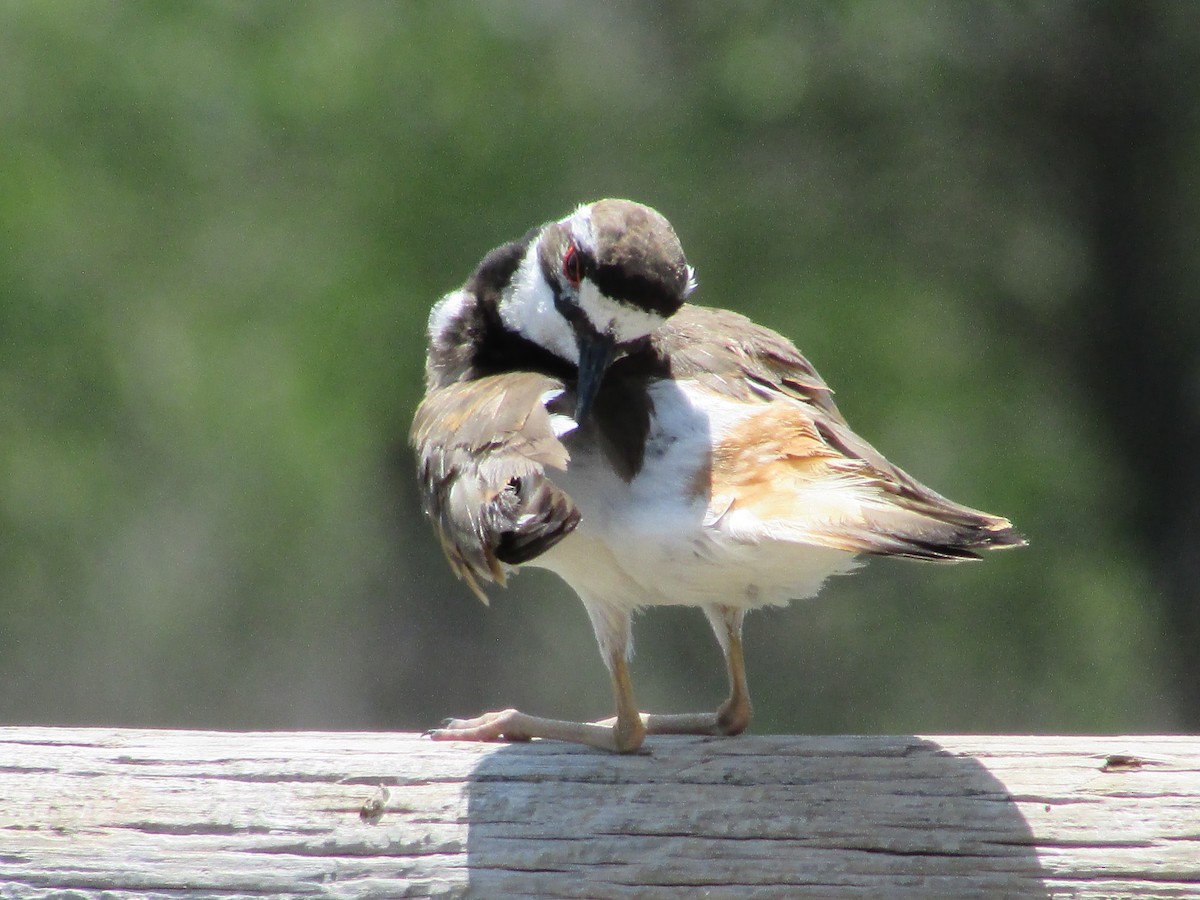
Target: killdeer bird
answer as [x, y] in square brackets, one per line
[582, 417]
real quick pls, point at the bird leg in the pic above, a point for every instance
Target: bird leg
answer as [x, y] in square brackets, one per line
[625, 732]
[734, 714]
[621, 734]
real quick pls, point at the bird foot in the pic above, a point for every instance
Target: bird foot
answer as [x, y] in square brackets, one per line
[514, 725]
[499, 725]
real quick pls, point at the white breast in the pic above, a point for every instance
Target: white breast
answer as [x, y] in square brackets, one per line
[660, 539]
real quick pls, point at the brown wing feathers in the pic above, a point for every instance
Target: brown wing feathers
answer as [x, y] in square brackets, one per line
[800, 460]
[483, 447]
[914, 521]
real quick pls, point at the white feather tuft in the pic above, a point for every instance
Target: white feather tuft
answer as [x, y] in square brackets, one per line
[445, 312]
[559, 423]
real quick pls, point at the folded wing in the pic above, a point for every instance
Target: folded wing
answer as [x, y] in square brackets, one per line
[792, 465]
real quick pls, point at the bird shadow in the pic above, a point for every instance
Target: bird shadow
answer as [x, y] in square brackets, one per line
[751, 817]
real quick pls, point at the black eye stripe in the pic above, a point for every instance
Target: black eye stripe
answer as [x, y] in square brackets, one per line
[635, 291]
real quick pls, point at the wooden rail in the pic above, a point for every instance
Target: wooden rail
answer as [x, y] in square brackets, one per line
[120, 813]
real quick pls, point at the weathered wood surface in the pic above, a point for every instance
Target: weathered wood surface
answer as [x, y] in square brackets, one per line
[117, 813]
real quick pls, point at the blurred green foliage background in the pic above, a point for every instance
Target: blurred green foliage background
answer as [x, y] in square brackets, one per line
[222, 225]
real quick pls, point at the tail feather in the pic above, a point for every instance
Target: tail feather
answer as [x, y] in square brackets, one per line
[945, 533]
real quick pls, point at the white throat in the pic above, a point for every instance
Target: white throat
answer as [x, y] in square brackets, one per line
[527, 308]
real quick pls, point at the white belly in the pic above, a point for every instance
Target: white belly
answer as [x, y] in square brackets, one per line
[659, 540]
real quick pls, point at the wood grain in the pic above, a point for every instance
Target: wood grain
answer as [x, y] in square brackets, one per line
[120, 813]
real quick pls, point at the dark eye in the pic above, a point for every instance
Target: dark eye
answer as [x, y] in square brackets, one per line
[573, 265]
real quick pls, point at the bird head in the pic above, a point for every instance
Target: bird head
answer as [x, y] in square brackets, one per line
[594, 285]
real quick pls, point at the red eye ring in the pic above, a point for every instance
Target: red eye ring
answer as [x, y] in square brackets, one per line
[572, 265]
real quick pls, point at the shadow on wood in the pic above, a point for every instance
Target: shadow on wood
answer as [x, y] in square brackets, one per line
[755, 817]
